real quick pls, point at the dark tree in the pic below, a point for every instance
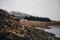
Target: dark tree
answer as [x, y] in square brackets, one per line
[26, 17]
[33, 18]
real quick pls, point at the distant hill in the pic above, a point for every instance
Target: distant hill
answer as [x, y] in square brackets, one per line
[19, 14]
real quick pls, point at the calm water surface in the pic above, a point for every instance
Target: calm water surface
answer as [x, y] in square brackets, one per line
[56, 31]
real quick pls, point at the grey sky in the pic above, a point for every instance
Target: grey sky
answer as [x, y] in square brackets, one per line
[42, 8]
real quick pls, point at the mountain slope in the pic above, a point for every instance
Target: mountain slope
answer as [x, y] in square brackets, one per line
[19, 14]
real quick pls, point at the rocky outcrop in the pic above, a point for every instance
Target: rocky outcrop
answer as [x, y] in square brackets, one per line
[11, 29]
[9, 25]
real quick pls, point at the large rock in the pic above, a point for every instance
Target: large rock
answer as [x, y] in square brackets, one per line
[10, 26]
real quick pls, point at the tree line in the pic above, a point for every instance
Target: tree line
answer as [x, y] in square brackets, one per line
[33, 18]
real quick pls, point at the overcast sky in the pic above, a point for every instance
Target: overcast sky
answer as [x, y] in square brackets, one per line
[42, 8]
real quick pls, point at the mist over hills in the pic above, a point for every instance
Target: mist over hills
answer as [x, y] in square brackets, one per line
[19, 14]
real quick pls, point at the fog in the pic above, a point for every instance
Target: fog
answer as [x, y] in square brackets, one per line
[42, 8]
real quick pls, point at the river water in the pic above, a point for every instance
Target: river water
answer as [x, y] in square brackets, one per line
[55, 31]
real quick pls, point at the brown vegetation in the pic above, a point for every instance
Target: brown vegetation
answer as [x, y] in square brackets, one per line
[40, 24]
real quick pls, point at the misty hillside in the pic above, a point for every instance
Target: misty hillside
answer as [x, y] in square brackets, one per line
[19, 14]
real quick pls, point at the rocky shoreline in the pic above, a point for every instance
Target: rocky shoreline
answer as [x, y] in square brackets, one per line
[11, 29]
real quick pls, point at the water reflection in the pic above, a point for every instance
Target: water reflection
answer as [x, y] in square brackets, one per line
[54, 30]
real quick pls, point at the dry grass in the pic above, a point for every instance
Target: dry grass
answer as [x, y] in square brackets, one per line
[41, 24]
[28, 23]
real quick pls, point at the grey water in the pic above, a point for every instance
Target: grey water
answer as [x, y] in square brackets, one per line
[55, 31]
